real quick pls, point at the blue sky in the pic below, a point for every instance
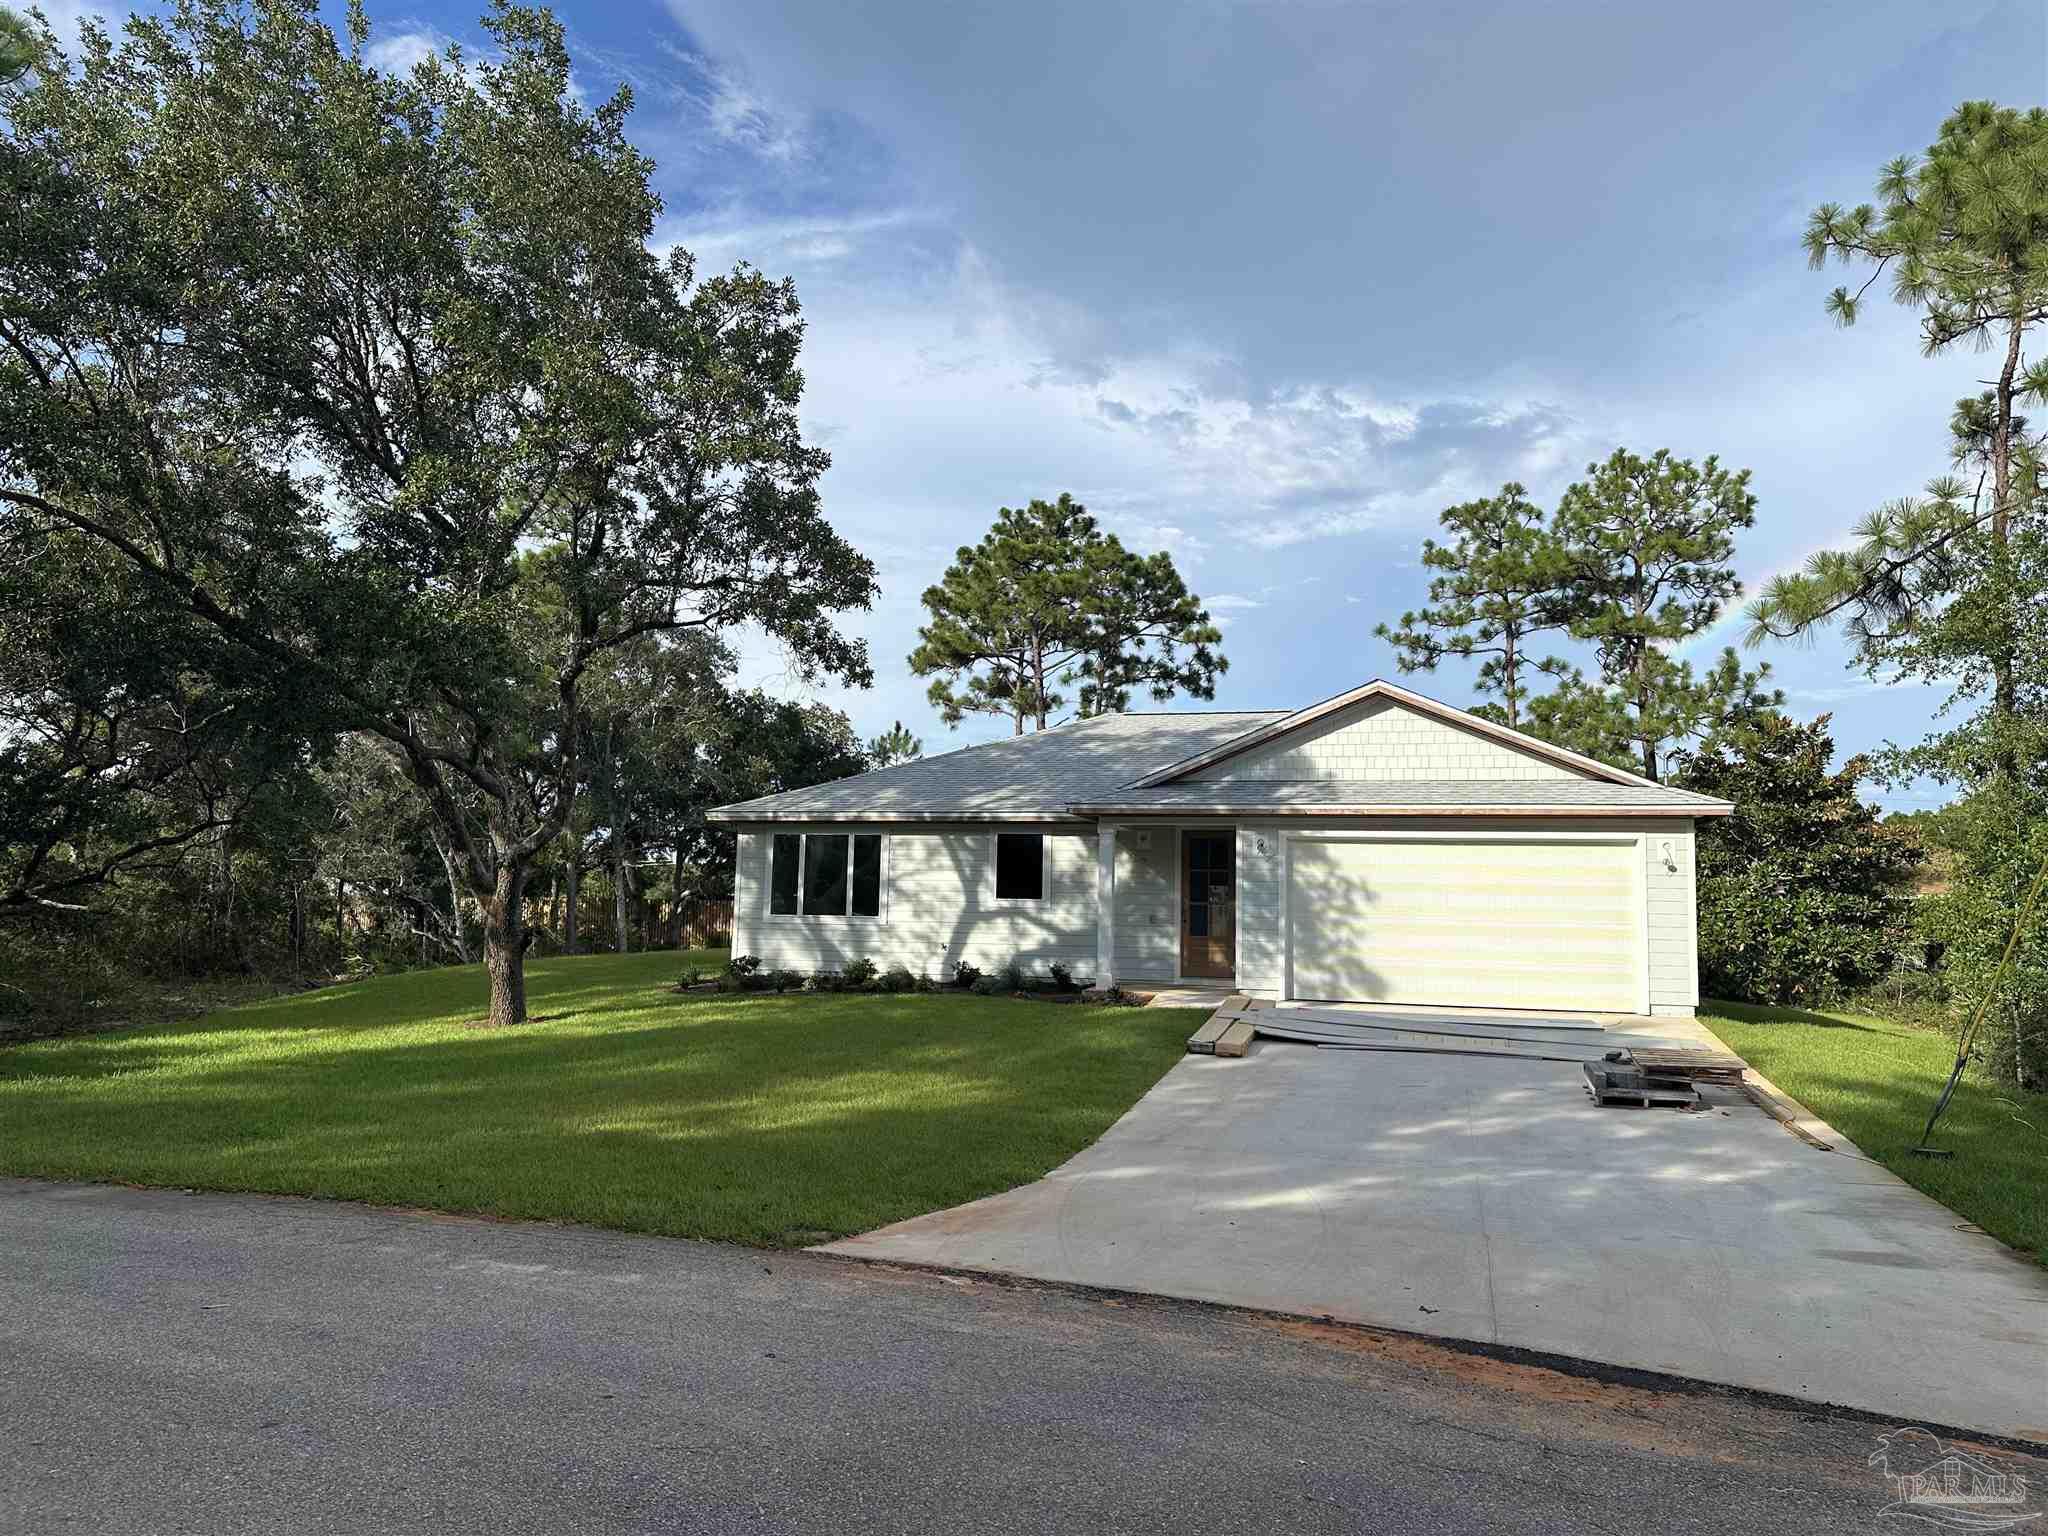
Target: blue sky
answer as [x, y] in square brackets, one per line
[1270, 284]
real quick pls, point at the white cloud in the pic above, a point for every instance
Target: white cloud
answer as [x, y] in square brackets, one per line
[402, 52]
[1186, 547]
[67, 17]
[735, 110]
[788, 244]
[929, 378]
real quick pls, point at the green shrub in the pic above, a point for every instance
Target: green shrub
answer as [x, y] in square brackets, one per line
[1062, 977]
[786, 980]
[859, 973]
[965, 975]
[898, 979]
[1803, 895]
[1013, 976]
[988, 986]
[742, 973]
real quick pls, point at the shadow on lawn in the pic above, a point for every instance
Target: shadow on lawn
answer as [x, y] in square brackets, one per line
[723, 1117]
[1764, 1015]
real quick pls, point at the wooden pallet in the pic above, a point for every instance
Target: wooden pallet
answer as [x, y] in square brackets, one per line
[1610, 1083]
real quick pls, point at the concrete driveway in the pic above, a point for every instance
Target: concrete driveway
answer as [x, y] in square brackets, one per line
[1488, 1199]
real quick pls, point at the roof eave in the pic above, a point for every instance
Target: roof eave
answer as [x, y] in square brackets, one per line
[739, 815]
[1096, 812]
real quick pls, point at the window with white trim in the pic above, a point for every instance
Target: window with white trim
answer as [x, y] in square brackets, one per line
[1020, 866]
[825, 874]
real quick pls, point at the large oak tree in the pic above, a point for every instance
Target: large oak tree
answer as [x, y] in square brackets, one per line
[336, 363]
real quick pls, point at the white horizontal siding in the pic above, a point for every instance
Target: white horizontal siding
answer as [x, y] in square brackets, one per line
[1147, 904]
[938, 905]
[1382, 740]
[1673, 897]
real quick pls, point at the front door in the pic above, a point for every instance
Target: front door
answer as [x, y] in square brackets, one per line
[1208, 904]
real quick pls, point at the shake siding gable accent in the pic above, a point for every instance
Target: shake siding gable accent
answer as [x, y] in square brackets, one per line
[1382, 740]
[938, 904]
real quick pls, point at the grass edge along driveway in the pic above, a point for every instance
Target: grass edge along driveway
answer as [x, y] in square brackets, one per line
[749, 1118]
[1875, 1081]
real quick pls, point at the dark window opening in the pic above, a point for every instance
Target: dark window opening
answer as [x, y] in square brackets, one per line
[824, 876]
[1020, 866]
[782, 872]
[867, 874]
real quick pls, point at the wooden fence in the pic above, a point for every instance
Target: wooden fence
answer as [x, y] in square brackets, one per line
[707, 924]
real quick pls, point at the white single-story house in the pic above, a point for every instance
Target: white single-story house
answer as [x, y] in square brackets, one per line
[1376, 847]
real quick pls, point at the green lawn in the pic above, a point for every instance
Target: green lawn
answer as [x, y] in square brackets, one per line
[754, 1118]
[1875, 1081]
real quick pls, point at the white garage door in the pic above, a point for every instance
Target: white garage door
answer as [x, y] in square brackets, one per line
[1479, 924]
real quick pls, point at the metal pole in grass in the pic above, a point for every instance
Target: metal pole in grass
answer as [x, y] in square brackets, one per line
[1969, 1034]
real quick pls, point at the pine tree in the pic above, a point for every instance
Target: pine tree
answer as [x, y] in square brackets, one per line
[1047, 598]
[1947, 587]
[1502, 586]
[1649, 544]
[1937, 587]
[895, 745]
[21, 46]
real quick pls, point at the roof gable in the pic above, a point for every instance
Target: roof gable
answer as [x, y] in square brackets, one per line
[1380, 731]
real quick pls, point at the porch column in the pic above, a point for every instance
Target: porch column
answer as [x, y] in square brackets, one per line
[1105, 904]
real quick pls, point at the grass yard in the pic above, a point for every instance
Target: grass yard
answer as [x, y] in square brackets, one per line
[1875, 1081]
[754, 1118]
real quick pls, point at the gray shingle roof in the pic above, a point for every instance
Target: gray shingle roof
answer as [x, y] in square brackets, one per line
[1020, 778]
[1090, 763]
[1368, 795]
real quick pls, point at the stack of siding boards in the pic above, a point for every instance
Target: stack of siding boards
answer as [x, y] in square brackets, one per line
[1528, 1038]
[1227, 1032]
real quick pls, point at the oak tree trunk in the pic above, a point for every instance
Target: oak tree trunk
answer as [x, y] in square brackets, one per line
[506, 938]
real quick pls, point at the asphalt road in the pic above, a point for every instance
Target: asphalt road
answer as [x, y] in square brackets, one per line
[222, 1364]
